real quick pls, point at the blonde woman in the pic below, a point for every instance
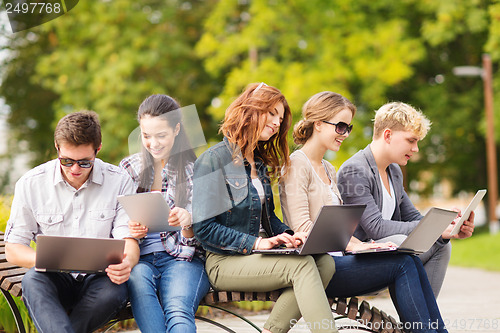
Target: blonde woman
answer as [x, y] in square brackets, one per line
[310, 182]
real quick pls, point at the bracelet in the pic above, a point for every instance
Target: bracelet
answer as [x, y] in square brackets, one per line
[257, 242]
[186, 227]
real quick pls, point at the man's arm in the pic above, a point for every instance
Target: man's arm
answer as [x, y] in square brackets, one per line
[120, 273]
[356, 184]
[20, 255]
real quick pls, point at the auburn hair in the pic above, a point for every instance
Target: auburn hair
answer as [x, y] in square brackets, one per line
[245, 120]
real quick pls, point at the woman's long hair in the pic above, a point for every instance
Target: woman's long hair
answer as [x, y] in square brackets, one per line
[245, 120]
[180, 156]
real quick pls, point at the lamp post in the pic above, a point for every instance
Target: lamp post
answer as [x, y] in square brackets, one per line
[486, 74]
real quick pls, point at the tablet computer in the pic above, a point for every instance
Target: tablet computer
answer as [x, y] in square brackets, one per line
[465, 215]
[149, 209]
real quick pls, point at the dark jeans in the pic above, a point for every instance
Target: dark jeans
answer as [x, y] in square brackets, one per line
[58, 303]
[406, 278]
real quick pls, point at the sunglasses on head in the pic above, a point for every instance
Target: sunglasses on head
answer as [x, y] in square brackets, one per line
[68, 162]
[340, 127]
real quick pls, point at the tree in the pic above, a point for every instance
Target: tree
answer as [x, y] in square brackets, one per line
[30, 105]
[455, 34]
[371, 52]
[108, 56]
[304, 47]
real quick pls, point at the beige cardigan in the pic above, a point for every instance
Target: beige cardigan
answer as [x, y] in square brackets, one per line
[303, 193]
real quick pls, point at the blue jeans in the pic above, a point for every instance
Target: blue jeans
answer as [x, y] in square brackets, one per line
[435, 260]
[165, 292]
[406, 278]
[58, 303]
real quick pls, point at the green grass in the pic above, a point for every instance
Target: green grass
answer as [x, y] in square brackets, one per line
[482, 250]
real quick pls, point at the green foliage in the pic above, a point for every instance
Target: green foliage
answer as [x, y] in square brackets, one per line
[107, 56]
[455, 33]
[254, 305]
[5, 203]
[7, 322]
[304, 47]
[132, 50]
[371, 52]
[482, 250]
[30, 106]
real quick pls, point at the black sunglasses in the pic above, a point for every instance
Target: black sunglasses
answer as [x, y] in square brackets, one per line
[68, 162]
[341, 127]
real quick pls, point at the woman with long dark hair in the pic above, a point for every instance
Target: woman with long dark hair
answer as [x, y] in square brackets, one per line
[169, 281]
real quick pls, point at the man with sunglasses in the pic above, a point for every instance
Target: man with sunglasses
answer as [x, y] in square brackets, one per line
[373, 177]
[73, 195]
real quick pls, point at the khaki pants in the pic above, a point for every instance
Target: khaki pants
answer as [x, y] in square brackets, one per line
[304, 277]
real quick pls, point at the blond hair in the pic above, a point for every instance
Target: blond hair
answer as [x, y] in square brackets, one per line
[399, 116]
[322, 106]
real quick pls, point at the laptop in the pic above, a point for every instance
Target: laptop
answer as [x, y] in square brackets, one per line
[76, 254]
[331, 231]
[420, 240]
[148, 208]
[465, 216]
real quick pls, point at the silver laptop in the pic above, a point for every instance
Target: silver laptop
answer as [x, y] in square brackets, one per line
[149, 209]
[75, 254]
[331, 232]
[420, 240]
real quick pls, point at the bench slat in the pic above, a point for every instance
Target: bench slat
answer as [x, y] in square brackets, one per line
[16, 289]
[7, 284]
[387, 325]
[365, 313]
[341, 306]
[352, 309]
[12, 272]
[376, 321]
[395, 325]
[6, 265]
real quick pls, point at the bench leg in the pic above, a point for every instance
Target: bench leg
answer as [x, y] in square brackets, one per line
[15, 311]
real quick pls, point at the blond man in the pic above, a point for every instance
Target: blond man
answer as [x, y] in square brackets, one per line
[373, 177]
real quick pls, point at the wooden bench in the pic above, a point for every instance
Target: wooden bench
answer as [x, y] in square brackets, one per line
[362, 315]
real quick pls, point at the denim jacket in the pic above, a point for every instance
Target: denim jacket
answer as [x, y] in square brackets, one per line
[227, 210]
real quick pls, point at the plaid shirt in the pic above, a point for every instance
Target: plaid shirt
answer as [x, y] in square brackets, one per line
[173, 241]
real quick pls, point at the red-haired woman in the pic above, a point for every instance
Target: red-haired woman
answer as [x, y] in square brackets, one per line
[233, 214]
